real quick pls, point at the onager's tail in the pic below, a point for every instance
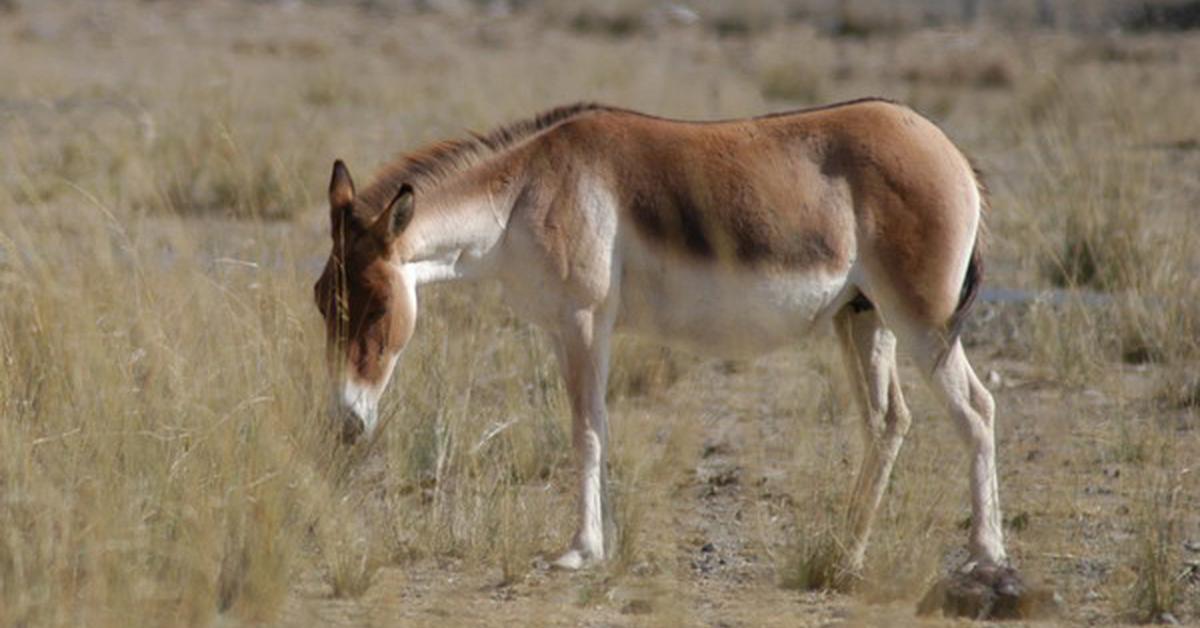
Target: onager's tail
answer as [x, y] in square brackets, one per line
[966, 298]
[974, 277]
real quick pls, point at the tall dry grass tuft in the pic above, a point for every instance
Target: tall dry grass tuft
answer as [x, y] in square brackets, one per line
[915, 529]
[814, 561]
[643, 369]
[211, 164]
[1065, 337]
[481, 423]
[1156, 546]
[349, 558]
[165, 446]
[147, 403]
[1101, 227]
[811, 556]
[211, 159]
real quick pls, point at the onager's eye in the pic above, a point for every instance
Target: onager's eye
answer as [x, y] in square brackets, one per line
[376, 309]
[324, 297]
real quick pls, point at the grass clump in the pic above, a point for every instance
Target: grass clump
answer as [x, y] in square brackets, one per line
[350, 568]
[791, 82]
[816, 564]
[1064, 336]
[815, 560]
[1181, 389]
[1159, 581]
[617, 24]
[994, 72]
[643, 369]
[207, 165]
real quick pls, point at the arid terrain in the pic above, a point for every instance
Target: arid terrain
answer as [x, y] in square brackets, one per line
[165, 456]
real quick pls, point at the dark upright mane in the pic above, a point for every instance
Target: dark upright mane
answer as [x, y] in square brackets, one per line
[434, 162]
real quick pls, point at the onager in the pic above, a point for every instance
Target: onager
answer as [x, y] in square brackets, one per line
[731, 238]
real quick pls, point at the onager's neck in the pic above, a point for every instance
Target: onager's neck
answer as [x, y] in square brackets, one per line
[465, 194]
[458, 226]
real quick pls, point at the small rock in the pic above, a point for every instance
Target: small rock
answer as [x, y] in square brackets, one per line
[1191, 572]
[722, 476]
[644, 568]
[1167, 619]
[637, 607]
[1191, 546]
[1018, 522]
[708, 547]
[1093, 568]
[994, 380]
[989, 592]
[681, 14]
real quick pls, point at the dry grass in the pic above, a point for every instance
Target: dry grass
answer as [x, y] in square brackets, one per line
[163, 449]
[1156, 550]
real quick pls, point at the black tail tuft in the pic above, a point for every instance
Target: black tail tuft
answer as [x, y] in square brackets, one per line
[966, 297]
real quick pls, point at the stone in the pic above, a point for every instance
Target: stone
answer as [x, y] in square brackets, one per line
[989, 592]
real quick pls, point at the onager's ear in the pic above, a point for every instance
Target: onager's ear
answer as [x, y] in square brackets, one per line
[341, 195]
[398, 214]
[341, 186]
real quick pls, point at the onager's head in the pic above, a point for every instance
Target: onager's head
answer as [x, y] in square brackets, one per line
[369, 306]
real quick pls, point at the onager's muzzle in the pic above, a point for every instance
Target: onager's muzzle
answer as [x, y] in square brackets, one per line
[354, 412]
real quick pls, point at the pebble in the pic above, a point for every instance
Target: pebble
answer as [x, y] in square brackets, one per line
[637, 607]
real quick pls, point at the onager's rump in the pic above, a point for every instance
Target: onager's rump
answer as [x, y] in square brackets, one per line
[731, 237]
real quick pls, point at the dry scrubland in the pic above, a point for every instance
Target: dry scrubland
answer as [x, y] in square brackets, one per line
[163, 451]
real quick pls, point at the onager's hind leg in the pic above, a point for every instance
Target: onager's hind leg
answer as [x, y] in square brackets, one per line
[869, 351]
[973, 410]
[987, 586]
[583, 353]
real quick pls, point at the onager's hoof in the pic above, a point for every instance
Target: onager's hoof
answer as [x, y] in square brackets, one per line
[573, 560]
[986, 591]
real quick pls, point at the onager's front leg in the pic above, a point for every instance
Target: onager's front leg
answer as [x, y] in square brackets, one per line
[583, 351]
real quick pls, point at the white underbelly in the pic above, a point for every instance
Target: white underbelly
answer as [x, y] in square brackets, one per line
[719, 310]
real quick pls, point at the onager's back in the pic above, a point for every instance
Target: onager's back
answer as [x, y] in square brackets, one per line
[732, 237]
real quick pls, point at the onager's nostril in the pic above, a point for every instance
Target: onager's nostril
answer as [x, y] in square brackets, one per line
[352, 428]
